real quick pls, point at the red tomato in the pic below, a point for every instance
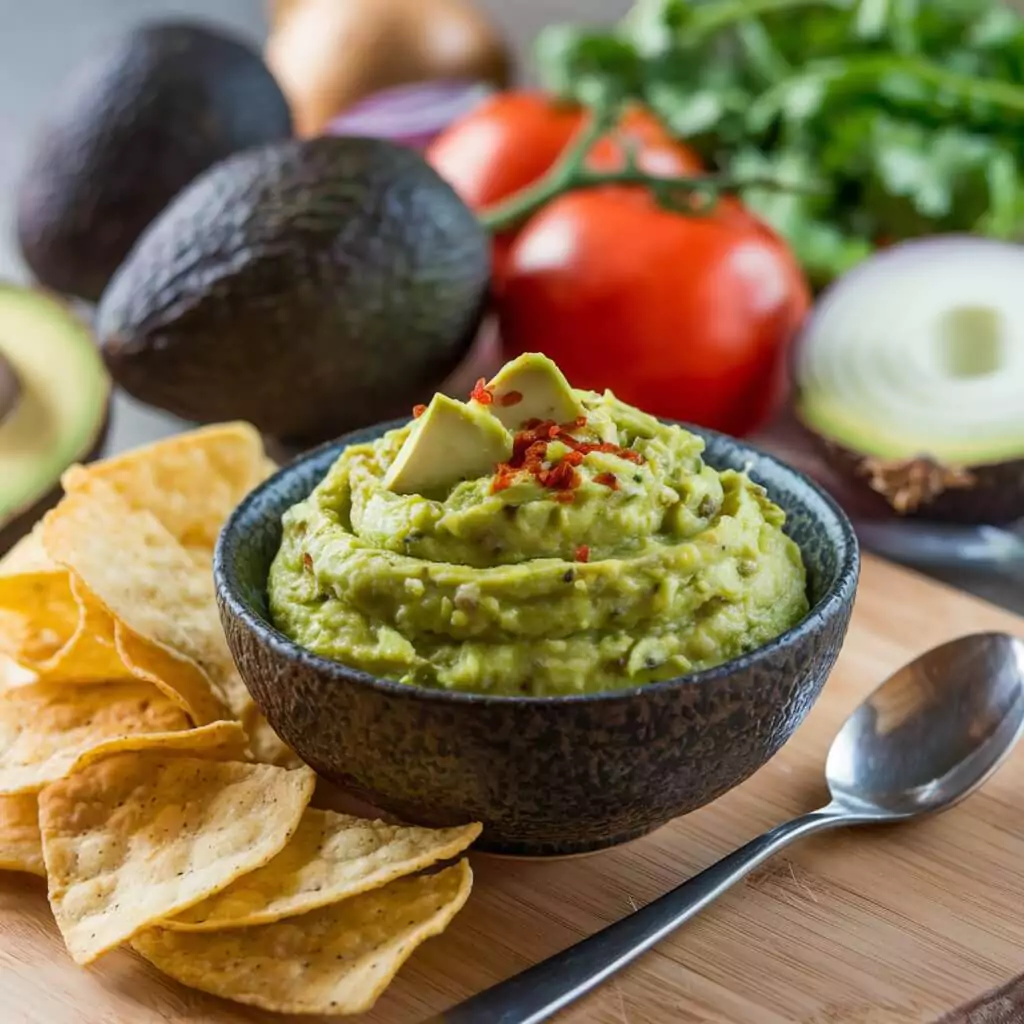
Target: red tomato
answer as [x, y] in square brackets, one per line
[687, 317]
[513, 138]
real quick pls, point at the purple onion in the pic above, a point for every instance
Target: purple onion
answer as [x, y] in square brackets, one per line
[412, 115]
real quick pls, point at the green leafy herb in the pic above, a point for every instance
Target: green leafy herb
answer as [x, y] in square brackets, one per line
[901, 117]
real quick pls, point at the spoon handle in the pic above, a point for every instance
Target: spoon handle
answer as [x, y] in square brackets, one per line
[544, 989]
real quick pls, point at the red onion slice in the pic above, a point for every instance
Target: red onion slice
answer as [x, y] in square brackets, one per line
[412, 115]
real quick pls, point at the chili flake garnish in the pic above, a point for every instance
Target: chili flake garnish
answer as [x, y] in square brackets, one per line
[482, 393]
[530, 456]
[307, 560]
[511, 398]
[418, 411]
[582, 553]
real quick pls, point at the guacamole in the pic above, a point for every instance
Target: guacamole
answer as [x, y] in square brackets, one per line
[601, 553]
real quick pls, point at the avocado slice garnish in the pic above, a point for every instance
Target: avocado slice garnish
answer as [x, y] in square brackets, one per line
[451, 441]
[531, 387]
[54, 394]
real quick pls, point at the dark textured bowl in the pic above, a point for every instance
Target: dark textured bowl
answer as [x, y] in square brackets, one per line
[546, 775]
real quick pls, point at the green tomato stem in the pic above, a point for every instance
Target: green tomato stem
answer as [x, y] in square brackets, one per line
[687, 194]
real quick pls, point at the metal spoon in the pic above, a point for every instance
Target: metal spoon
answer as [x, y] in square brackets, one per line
[926, 738]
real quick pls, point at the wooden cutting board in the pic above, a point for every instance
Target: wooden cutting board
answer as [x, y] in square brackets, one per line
[861, 927]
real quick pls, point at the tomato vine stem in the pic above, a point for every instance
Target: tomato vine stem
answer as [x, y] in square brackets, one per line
[691, 193]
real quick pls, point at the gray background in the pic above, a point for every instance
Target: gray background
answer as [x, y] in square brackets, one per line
[41, 39]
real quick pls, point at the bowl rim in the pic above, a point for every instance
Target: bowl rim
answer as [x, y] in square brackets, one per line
[840, 592]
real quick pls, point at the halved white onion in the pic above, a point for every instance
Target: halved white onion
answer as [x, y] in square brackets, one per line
[920, 352]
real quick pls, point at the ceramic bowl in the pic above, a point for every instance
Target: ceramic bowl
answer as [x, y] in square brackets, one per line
[546, 775]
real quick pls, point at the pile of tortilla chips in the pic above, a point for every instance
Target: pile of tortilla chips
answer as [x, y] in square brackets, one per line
[139, 779]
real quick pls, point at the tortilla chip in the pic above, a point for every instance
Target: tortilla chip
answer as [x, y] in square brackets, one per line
[218, 741]
[190, 482]
[334, 960]
[173, 674]
[135, 838]
[265, 744]
[13, 675]
[44, 728]
[90, 656]
[38, 615]
[27, 555]
[145, 579]
[331, 857]
[21, 848]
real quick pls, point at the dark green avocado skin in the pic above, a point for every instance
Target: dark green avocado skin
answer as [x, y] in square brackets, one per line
[131, 128]
[308, 286]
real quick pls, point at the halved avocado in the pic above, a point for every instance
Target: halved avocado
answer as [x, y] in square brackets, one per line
[54, 398]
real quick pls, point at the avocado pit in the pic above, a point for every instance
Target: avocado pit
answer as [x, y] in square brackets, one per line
[10, 389]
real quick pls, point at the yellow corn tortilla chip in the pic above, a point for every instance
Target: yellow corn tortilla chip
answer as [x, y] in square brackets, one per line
[265, 744]
[13, 675]
[218, 741]
[135, 838]
[90, 656]
[145, 579]
[87, 655]
[191, 482]
[21, 848]
[331, 857]
[173, 674]
[335, 960]
[27, 555]
[38, 615]
[45, 727]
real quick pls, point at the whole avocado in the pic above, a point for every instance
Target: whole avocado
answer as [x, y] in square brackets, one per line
[307, 286]
[134, 125]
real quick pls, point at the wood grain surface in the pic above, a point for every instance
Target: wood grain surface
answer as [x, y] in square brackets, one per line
[884, 926]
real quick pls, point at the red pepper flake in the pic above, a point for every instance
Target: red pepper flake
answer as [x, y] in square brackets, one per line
[482, 393]
[418, 411]
[583, 553]
[307, 561]
[511, 398]
[565, 497]
[562, 477]
[530, 456]
[608, 479]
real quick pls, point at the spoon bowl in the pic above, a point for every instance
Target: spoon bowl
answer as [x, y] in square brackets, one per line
[933, 731]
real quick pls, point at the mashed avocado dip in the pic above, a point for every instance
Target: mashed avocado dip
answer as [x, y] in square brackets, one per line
[535, 540]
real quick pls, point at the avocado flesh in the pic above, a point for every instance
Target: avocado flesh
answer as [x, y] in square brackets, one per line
[448, 443]
[61, 409]
[532, 387]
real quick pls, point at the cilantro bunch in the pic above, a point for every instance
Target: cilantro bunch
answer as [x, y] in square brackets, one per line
[896, 118]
